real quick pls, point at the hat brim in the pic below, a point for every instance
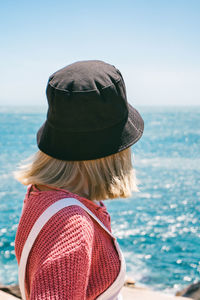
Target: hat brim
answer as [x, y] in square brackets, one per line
[133, 129]
[75, 146]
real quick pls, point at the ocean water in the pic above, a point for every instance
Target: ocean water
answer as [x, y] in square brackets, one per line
[158, 229]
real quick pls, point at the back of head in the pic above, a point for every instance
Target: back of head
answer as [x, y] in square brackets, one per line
[85, 141]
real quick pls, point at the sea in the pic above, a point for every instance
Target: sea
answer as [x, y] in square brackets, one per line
[158, 228]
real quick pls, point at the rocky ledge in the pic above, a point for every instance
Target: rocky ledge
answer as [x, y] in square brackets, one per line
[129, 291]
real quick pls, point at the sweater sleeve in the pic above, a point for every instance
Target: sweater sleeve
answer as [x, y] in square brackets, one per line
[63, 271]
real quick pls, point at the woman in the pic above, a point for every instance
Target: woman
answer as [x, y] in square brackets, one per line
[64, 243]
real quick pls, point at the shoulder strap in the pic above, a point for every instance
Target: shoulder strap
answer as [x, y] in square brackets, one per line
[41, 221]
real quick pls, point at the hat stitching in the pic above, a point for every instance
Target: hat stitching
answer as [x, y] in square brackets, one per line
[85, 91]
[135, 126]
[132, 142]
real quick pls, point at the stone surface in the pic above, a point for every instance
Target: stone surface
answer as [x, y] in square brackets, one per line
[192, 291]
[129, 282]
[6, 296]
[140, 293]
[11, 289]
[129, 293]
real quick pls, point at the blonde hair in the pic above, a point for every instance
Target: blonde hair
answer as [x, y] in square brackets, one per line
[104, 178]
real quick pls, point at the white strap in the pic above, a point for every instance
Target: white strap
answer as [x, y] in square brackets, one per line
[41, 221]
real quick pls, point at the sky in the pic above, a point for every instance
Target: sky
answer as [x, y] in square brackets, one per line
[155, 44]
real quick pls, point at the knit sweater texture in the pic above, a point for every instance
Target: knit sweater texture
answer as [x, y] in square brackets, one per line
[73, 257]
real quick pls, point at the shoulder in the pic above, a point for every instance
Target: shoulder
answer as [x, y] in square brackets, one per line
[74, 217]
[40, 201]
[68, 229]
[71, 224]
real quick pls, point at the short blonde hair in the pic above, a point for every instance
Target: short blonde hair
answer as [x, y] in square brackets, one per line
[106, 178]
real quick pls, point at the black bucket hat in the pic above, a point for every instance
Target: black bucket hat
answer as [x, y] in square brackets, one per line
[88, 115]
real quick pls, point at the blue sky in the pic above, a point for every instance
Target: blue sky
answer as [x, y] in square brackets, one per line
[155, 44]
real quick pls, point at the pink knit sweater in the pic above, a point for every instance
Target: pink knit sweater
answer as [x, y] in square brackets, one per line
[73, 257]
